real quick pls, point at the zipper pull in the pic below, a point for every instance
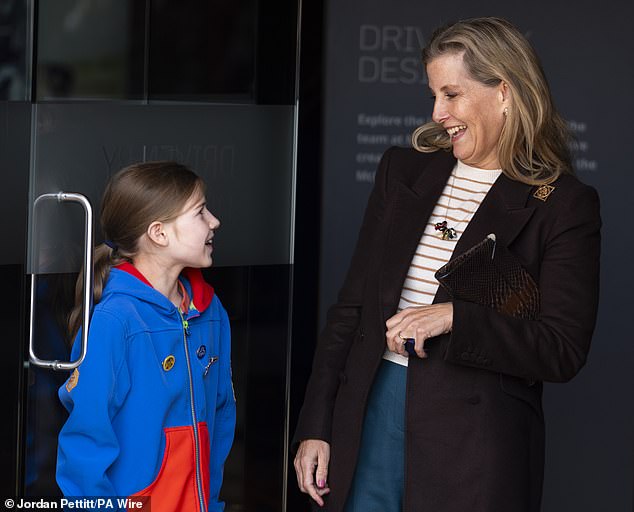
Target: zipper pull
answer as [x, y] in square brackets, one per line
[186, 327]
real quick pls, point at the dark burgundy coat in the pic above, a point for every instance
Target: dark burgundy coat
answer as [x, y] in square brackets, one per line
[475, 429]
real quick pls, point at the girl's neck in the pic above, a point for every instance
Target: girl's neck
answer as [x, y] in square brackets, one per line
[164, 280]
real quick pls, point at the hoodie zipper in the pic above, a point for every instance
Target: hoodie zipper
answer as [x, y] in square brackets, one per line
[199, 487]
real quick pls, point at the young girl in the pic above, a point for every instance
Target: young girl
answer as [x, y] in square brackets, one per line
[152, 410]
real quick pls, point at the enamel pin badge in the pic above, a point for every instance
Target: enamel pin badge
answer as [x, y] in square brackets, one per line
[168, 363]
[72, 380]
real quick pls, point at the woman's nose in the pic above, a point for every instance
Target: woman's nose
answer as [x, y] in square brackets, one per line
[439, 113]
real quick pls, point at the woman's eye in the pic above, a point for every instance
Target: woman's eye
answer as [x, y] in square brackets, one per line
[450, 95]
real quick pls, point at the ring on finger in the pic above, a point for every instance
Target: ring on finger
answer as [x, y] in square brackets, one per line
[403, 338]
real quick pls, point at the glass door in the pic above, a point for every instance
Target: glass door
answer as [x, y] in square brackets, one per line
[210, 85]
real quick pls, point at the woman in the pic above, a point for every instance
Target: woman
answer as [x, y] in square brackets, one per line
[458, 425]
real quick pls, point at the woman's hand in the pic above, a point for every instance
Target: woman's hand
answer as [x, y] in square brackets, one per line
[311, 466]
[420, 323]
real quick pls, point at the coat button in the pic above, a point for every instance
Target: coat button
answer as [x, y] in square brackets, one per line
[473, 400]
[202, 350]
[465, 356]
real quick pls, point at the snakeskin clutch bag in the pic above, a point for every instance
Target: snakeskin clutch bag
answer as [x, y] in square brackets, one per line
[489, 275]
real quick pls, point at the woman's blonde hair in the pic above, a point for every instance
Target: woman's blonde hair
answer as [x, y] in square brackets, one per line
[534, 143]
[135, 197]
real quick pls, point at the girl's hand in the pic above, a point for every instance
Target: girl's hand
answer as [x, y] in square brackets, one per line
[420, 323]
[311, 466]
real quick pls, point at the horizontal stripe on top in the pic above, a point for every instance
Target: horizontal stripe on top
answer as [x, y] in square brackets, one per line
[465, 190]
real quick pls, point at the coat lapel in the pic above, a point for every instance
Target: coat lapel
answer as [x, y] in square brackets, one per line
[503, 212]
[411, 209]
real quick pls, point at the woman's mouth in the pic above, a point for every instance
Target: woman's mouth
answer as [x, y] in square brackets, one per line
[456, 131]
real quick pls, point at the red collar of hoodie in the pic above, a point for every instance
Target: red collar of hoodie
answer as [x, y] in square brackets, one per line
[202, 292]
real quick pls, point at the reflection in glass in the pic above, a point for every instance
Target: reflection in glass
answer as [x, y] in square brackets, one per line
[89, 50]
[54, 299]
[192, 50]
[202, 51]
[13, 50]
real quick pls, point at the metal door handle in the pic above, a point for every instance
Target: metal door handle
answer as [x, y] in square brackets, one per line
[88, 284]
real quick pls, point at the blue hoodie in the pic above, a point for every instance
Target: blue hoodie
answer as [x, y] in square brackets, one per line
[152, 410]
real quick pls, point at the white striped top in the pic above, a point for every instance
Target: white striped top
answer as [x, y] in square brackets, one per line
[465, 189]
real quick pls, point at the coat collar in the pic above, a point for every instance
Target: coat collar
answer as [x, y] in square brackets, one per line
[503, 211]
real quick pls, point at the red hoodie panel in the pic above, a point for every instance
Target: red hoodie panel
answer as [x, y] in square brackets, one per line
[174, 489]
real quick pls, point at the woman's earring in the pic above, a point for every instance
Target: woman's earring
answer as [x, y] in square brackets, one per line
[506, 111]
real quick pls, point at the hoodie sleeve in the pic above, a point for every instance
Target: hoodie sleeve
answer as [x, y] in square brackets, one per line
[225, 412]
[92, 395]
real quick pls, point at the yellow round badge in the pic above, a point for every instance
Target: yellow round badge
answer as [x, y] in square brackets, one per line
[168, 363]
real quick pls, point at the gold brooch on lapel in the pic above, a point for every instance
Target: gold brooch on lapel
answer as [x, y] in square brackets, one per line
[543, 192]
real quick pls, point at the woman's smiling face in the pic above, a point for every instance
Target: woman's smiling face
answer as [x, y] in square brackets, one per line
[472, 113]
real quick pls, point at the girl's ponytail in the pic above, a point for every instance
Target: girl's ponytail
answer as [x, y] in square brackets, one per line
[104, 259]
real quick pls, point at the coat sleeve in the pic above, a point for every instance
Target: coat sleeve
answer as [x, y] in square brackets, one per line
[88, 445]
[225, 414]
[342, 321]
[553, 347]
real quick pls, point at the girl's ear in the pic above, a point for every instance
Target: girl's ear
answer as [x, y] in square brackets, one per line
[156, 233]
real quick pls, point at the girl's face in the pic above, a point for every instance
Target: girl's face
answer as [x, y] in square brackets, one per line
[191, 234]
[472, 113]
